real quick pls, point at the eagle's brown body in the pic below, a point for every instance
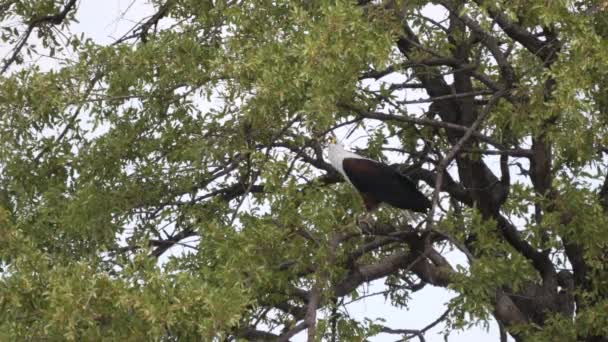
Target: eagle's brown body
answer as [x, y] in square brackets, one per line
[377, 182]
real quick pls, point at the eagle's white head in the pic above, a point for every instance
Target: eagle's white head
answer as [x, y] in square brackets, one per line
[337, 153]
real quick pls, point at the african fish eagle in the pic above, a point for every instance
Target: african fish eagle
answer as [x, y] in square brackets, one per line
[377, 182]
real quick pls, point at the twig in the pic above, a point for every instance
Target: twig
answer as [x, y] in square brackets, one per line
[455, 242]
[437, 321]
[414, 332]
[449, 97]
[373, 294]
[48, 19]
[71, 120]
[419, 121]
[141, 31]
[418, 333]
[517, 152]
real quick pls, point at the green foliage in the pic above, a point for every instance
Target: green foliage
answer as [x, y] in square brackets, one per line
[210, 128]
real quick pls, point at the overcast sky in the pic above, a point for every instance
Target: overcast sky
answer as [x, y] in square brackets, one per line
[106, 21]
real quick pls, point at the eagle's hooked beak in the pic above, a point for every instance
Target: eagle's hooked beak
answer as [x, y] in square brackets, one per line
[331, 138]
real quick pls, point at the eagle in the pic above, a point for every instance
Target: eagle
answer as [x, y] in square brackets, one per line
[377, 182]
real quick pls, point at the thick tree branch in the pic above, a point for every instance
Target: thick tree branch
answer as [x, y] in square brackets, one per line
[252, 334]
[441, 167]
[489, 41]
[540, 260]
[292, 332]
[545, 50]
[418, 260]
[311, 312]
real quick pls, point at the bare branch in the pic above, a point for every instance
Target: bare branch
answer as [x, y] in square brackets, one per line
[410, 332]
[142, 29]
[252, 334]
[415, 332]
[488, 40]
[546, 50]
[451, 96]
[517, 152]
[424, 122]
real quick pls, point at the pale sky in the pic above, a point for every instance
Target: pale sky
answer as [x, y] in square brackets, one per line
[106, 21]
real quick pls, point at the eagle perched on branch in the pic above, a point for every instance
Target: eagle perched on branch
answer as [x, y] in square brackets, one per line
[377, 182]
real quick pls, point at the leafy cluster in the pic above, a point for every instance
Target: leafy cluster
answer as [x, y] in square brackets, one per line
[172, 185]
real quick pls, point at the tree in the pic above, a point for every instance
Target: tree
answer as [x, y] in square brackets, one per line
[202, 131]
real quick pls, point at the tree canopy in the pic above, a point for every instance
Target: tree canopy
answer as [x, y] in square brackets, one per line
[172, 185]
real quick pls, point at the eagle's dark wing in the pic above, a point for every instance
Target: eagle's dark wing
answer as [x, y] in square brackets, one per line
[379, 182]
